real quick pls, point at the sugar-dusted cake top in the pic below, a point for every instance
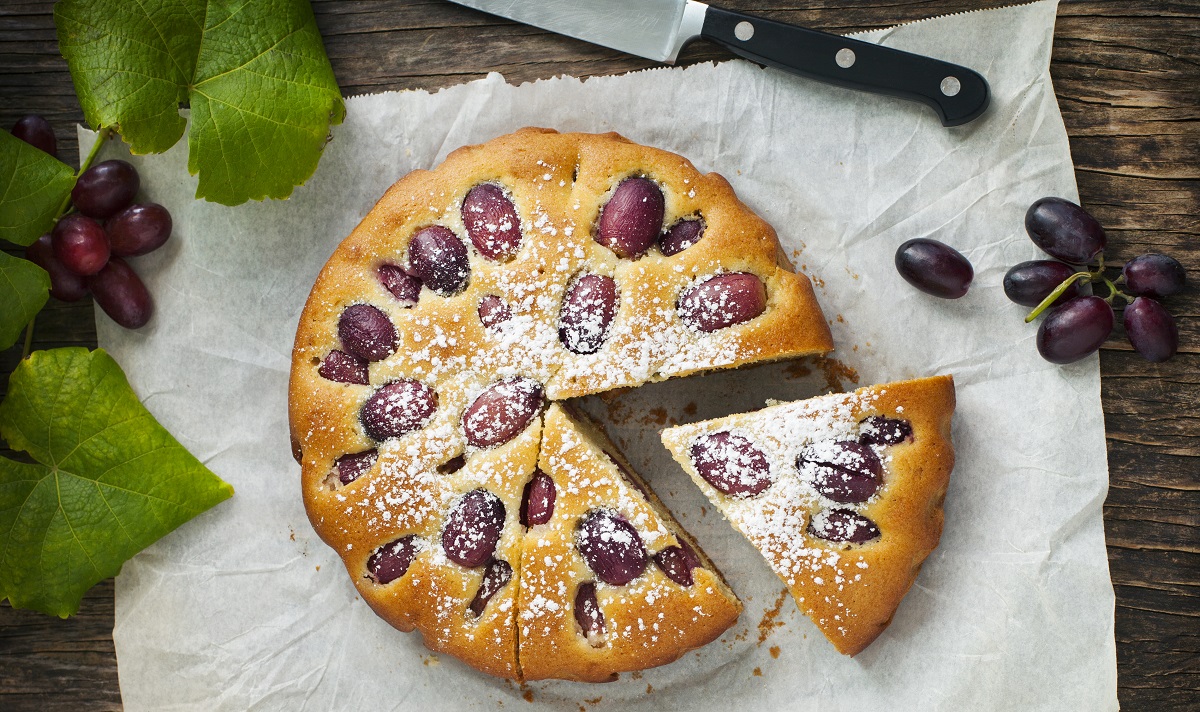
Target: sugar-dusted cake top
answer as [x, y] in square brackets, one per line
[536, 267]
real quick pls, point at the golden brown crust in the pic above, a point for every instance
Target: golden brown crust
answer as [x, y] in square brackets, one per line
[650, 621]
[851, 596]
[558, 183]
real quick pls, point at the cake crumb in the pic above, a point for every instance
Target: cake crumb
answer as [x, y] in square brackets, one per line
[758, 672]
[836, 374]
[775, 651]
[769, 622]
[797, 369]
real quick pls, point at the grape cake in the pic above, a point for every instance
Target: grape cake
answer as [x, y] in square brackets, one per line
[842, 494]
[463, 501]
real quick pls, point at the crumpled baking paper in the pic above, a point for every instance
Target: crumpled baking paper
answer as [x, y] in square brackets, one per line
[244, 608]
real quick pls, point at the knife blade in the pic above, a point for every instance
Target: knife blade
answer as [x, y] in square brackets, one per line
[658, 29]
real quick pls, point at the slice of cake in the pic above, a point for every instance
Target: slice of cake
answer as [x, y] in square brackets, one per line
[842, 494]
[609, 580]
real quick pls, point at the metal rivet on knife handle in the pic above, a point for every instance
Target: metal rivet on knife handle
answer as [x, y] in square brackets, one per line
[744, 31]
[845, 58]
[951, 86]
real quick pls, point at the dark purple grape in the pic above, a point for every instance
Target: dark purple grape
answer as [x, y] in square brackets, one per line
[80, 244]
[391, 561]
[723, 301]
[492, 222]
[632, 219]
[1151, 330]
[342, 367]
[439, 259]
[588, 614]
[934, 268]
[493, 311]
[65, 285]
[1030, 282]
[473, 528]
[843, 471]
[731, 463]
[105, 188]
[454, 464]
[403, 286]
[497, 576]
[120, 293]
[501, 412]
[36, 131]
[139, 229]
[677, 563]
[537, 503]
[881, 430]
[1064, 230]
[1075, 329]
[611, 547]
[398, 408]
[367, 332]
[354, 465]
[587, 311]
[681, 236]
[1154, 275]
[842, 525]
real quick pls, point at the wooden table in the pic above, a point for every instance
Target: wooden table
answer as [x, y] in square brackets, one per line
[1127, 76]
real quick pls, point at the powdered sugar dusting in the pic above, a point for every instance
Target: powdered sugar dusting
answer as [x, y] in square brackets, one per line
[777, 520]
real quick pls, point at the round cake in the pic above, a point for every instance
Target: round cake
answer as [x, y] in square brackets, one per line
[533, 268]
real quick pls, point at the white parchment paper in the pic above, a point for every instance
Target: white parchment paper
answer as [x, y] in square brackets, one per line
[244, 608]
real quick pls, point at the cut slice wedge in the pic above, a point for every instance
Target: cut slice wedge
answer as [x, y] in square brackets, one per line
[595, 597]
[842, 494]
[419, 574]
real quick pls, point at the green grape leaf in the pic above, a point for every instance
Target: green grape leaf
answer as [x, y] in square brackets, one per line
[255, 73]
[108, 481]
[24, 288]
[33, 186]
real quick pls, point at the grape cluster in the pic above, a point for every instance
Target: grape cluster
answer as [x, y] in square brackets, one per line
[1076, 324]
[86, 250]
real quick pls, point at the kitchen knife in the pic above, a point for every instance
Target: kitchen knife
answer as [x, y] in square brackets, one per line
[658, 29]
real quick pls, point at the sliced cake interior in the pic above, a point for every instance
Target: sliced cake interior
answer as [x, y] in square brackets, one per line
[842, 494]
[609, 580]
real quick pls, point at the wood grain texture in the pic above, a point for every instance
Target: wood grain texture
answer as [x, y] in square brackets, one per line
[1127, 75]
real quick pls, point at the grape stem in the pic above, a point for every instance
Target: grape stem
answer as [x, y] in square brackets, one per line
[104, 134]
[28, 339]
[1066, 284]
[1096, 275]
[1114, 292]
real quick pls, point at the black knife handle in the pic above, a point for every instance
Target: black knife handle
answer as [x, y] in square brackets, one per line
[956, 93]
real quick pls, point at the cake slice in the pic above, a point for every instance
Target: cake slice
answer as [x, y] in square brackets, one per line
[432, 539]
[609, 580]
[842, 494]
